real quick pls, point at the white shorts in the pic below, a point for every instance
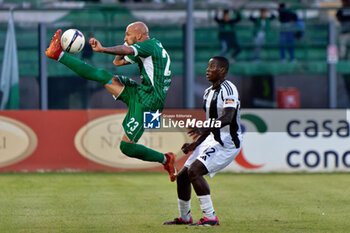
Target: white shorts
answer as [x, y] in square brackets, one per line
[213, 155]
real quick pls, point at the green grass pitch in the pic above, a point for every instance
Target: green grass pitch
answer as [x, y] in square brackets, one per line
[140, 202]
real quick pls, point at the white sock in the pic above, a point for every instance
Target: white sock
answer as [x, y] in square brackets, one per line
[164, 160]
[61, 54]
[184, 209]
[207, 206]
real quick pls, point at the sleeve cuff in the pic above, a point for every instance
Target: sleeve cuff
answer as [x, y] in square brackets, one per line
[126, 58]
[135, 50]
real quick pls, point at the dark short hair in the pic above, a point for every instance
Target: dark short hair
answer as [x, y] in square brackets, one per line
[294, 17]
[226, 11]
[222, 62]
[346, 2]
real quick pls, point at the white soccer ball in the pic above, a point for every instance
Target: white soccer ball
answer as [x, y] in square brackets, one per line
[72, 41]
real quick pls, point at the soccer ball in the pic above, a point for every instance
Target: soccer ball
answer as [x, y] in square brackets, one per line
[72, 41]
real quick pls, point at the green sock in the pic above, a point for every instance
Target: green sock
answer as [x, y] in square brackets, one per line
[85, 70]
[141, 152]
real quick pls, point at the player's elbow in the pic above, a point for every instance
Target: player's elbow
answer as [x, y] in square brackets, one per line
[127, 50]
[227, 116]
[193, 173]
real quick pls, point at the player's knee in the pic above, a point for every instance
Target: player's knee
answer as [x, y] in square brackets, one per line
[182, 177]
[192, 173]
[104, 75]
[127, 148]
[116, 79]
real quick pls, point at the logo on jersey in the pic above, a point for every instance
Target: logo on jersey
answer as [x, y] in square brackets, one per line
[229, 101]
[152, 120]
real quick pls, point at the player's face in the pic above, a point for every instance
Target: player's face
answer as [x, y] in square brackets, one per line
[130, 36]
[213, 71]
[226, 17]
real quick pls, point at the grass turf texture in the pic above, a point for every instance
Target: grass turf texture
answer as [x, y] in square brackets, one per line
[140, 202]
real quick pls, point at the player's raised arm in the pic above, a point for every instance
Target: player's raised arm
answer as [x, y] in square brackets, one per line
[116, 50]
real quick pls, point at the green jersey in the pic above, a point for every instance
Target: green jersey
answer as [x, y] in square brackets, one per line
[155, 68]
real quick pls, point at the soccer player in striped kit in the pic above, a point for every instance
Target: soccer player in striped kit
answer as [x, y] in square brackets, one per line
[155, 68]
[214, 149]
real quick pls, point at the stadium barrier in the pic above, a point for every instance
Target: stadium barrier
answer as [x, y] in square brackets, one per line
[88, 140]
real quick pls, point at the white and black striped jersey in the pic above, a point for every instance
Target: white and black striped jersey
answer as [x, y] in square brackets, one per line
[215, 100]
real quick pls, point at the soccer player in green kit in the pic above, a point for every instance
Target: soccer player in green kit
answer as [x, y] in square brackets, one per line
[154, 64]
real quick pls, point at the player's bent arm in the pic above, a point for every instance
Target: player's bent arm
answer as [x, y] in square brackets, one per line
[227, 116]
[120, 61]
[203, 133]
[225, 119]
[116, 50]
[119, 50]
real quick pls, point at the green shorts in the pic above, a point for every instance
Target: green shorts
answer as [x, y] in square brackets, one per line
[133, 121]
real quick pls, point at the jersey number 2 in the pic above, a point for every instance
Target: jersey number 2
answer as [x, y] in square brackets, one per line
[208, 153]
[167, 71]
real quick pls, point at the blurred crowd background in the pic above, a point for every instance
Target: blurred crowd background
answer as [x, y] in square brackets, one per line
[279, 51]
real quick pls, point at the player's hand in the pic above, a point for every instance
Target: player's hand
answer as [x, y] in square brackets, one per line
[118, 60]
[96, 45]
[196, 132]
[188, 147]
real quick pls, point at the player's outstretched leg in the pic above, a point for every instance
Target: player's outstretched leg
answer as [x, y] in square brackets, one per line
[80, 67]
